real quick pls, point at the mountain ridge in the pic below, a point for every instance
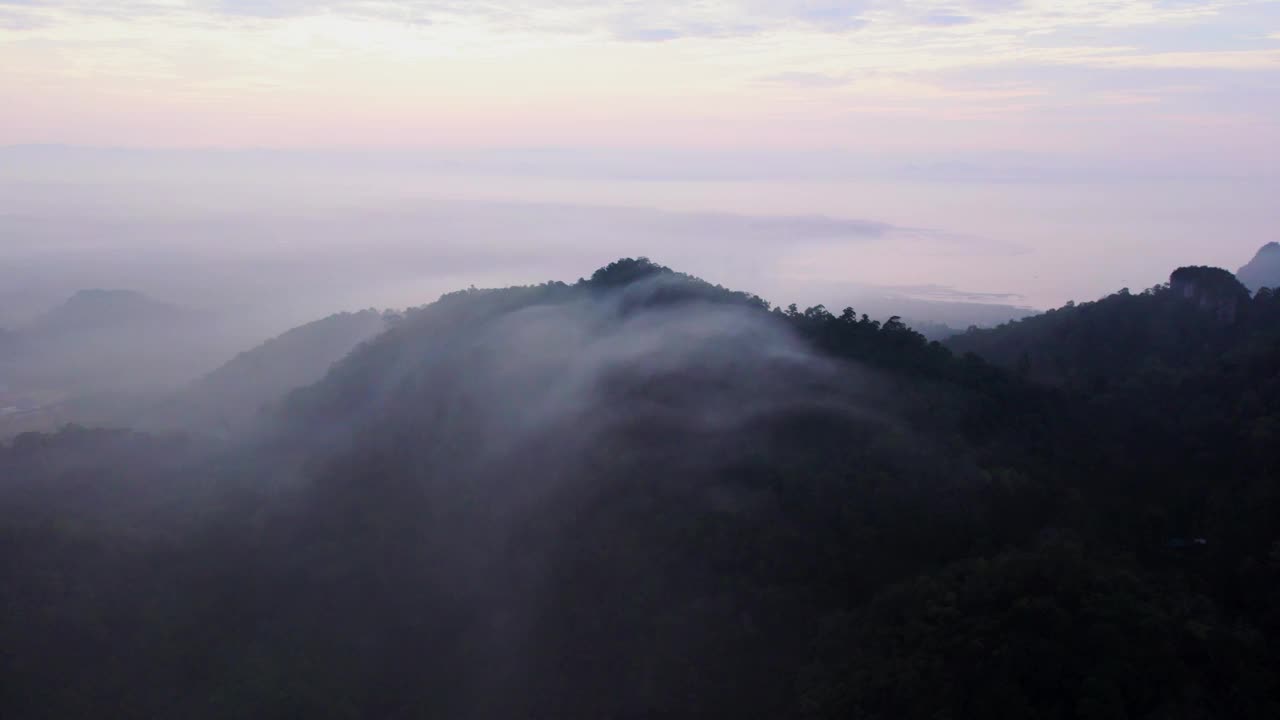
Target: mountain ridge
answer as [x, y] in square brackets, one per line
[1186, 325]
[644, 495]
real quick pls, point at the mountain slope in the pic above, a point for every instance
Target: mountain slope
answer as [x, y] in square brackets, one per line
[1184, 326]
[229, 397]
[621, 478]
[642, 495]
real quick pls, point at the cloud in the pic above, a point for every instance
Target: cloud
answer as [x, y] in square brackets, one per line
[1126, 98]
[1224, 60]
[523, 72]
[946, 19]
[660, 21]
[993, 22]
[628, 20]
[22, 15]
[638, 34]
[805, 80]
[832, 16]
[950, 294]
[20, 20]
[49, 13]
[277, 8]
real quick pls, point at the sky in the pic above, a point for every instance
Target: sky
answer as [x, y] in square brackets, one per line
[1087, 76]
[1043, 150]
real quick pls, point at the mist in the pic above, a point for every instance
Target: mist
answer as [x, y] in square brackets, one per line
[220, 252]
[632, 493]
[629, 360]
[291, 236]
[248, 245]
[427, 519]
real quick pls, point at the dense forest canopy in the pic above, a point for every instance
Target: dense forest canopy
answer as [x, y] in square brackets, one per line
[644, 495]
[1190, 325]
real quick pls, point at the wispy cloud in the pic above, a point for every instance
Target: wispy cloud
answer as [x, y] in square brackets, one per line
[947, 19]
[19, 20]
[695, 18]
[645, 70]
[805, 80]
[1223, 60]
[950, 294]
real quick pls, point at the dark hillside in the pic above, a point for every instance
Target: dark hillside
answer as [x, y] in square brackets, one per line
[643, 495]
[1183, 327]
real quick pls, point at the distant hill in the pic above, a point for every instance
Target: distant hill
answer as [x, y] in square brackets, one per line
[1263, 270]
[107, 310]
[937, 319]
[936, 311]
[225, 401]
[113, 340]
[231, 395]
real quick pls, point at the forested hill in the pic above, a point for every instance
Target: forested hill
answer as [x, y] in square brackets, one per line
[643, 495]
[613, 295]
[227, 399]
[1202, 321]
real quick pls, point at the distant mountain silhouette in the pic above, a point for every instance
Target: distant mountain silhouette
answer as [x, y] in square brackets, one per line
[940, 319]
[109, 340]
[1263, 270]
[235, 392]
[106, 310]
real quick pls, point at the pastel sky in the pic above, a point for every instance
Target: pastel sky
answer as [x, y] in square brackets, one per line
[1144, 78]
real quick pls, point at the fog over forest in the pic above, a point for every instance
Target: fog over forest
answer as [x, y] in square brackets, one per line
[421, 445]
[630, 359]
[644, 494]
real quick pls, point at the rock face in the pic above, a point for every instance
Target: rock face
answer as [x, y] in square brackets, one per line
[1213, 289]
[1263, 270]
